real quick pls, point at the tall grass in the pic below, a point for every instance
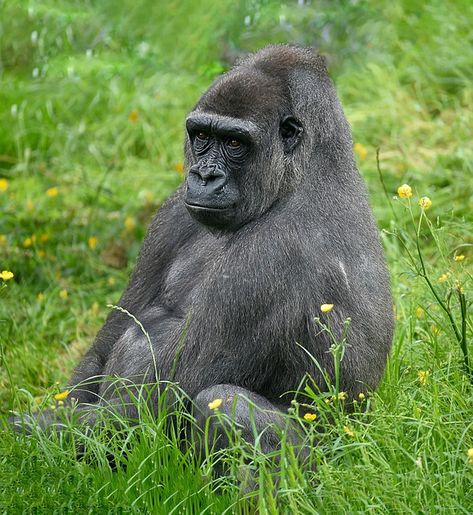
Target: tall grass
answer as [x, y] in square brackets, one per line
[92, 101]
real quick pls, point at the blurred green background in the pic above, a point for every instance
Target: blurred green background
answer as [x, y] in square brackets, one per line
[93, 95]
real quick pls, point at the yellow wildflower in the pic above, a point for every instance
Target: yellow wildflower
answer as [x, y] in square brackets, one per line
[52, 192]
[63, 395]
[179, 167]
[444, 277]
[27, 242]
[92, 242]
[425, 203]
[130, 223]
[360, 151]
[342, 396]
[420, 312]
[310, 417]
[215, 404]
[111, 281]
[326, 308]
[6, 275]
[95, 308]
[134, 116]
[459, 287]
[3, 184]
[40, 297]
[404, 191]
[348, 431]
[361, 396]
[3, 239]
[63, 294]
[459, 257]
[469, 453]
[423, 375]
[435, 329]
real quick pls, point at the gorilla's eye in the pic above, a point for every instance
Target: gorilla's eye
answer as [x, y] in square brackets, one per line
[202, 136]
[234, 143]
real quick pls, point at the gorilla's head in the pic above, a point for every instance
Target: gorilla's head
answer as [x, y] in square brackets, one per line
[246, 135]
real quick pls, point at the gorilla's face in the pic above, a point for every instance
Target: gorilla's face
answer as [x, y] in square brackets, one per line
[240, 138]
[223, 148]
[236, 166]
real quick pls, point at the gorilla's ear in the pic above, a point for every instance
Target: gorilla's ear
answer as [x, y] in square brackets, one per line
[291, 133]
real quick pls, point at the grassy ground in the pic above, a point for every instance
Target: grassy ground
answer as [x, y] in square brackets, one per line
[92, 101]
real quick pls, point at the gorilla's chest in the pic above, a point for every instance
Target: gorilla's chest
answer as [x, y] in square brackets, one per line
[186, 277]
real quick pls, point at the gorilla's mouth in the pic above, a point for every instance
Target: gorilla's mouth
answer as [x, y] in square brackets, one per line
[218, 217]
[210, 209]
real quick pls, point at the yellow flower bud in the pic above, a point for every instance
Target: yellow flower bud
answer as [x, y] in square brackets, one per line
[6, 275]
[419, 312]
[130, 223]
[52, 192]
[215, 404]
[310, 417]
[134, 116]
[3, 184]
[425, 203]
[63, 395]
[360, 151]
[326, 308]
[404, 191]
[423, 376]
[348, 431]
[92, 242]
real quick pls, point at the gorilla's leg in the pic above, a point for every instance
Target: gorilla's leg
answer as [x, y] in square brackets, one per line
[256, 417]
[121, 403]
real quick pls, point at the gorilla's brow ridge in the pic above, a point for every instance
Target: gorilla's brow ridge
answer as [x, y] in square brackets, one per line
[223, 124]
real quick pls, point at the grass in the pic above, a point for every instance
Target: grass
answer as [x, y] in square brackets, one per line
[92, 102]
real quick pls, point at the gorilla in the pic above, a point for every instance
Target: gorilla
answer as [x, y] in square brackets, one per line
[271, 222]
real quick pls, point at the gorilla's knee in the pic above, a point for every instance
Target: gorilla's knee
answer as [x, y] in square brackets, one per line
[222, 410]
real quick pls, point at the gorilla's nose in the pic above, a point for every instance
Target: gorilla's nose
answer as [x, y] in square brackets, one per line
[206, 174]
[204, 182]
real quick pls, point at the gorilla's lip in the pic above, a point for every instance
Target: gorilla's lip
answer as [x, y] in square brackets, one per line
[215, 209]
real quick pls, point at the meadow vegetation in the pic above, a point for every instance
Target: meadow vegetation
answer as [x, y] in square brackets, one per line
[93, 95]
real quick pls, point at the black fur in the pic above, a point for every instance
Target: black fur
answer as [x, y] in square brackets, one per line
[239, 282]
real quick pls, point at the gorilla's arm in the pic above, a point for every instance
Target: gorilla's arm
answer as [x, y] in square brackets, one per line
[168, 232]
